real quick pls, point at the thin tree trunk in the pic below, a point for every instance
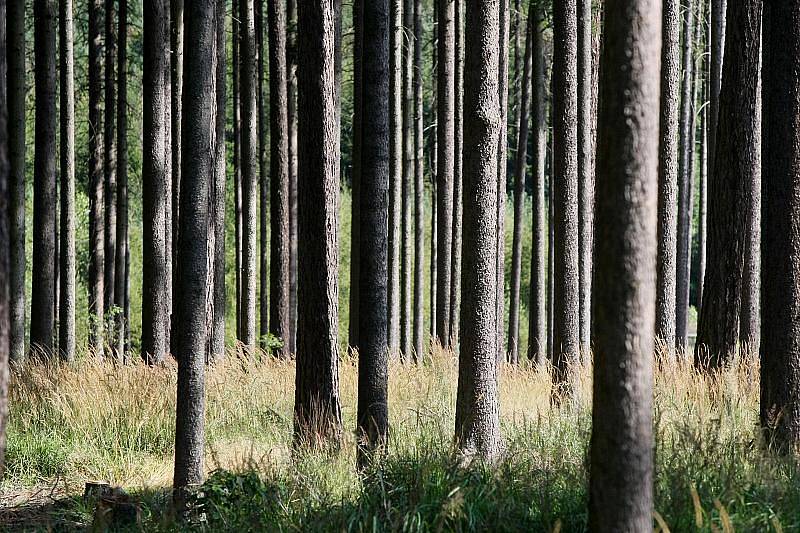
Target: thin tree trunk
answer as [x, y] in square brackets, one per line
[523, 113]
[66, 330]
[702, 234]
[434, 254]
[551, 234]
[537, 326]
[44, 180]
[373, 417]
[291, 67]
[217, 350]
[121, 318]
[395, 170]
[279, 176]
[110, 159]
[566, 329]
[502, 176]
[419, 188]
[458, 145]
[407, 186]
[5, 237]
[585, 174]
[15, 23]
[195, 282]
[780, 246]
[265, 177]
[621, 456]
[734, 168]
[237, 157]
[155, 310]
[668, 176]
[317, 410]
[355, 183]
[176, 108]
[719, 9]
[477, 427]
[434, 151]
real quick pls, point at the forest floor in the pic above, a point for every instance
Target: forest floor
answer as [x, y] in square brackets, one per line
[98, 421]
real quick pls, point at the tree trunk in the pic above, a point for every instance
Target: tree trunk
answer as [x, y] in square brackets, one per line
[458, 146]
[734, 168]
[395, 170]
[566, 328]
[5, 238]
[585, 174]
[15, 25]
[176, 96]
[122, 320]
[192, 321]
[155, 311]
[355, 180]
[419, 187]
[477, 406]
[445, 164]
[668, 176]
[537, 332]
[44, 180]
[406, 254]
[110, 159]
[236, 47]
[521, 160]
[217, 349]
[502, 177]
[265, 177]
[66, 329]
[551, 233]
[621, 455]
[317, 410]
[719, 9]
[780, 246]
[703, 200]
[291, 67]
[372, 418]
[279, 176]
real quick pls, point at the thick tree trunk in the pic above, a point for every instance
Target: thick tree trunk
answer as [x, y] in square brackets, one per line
[780, 246]
[317, 410]
[122, 320]
[355, 181]
[419, 188]
[44, 180]
[195, 283]
[66, 329]
[176, 108]
[458, 146]
[537, 325]
[395, 170]
[372, 418]
[621, 456]
[477, 427]
[585, 174]
[155, 311]
[217, 335]
[566, 327]
[110, 158]
[5, 237]
[279, 177]
[668, 176]
[15, 23]
[734, 168]
[719, 9]
[523, 113]
[291, 67]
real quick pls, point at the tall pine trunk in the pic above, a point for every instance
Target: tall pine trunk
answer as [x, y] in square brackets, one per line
[458, 147]
[502, 178]
[217, 335]
[395, 169]
[419, 188]
[236, 46]
[110, 158]
[122, 319]
[407, 188]
[176, 36]
[291, 95]
[5, 237]
[355, 179]
[585, 174]
[264, 175]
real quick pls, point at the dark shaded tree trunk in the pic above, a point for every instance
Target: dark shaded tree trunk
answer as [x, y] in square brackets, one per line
[734, 168]
[477, 428]
[434, 173]
[291, 67]
[523, 113]
[317, 409]
[458, 147]
[44, 180]
[419, 187]
[551, 217]
[279, 176]
[407, 186]
[780, 208]
[537, 325]
[264, 175]
[355, 179]
[176, 34]
[621, 455]
[66, 329]
[110, 159]
[5, 237]
[668, 176]
[395, 170]
[192, 320]
[372, 417]
[155, 310]
[236, 46]
[502, 177]
[566, 327]
[585, 174]
[122, 318]
[15, 23]
[702, 193]
[717, 29]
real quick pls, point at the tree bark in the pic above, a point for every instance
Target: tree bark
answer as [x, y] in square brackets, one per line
[291, 67]
[703, 200]
[5, 236]
[719, 9]
[317, 410]
[502, 177]
[265, 177]
[122, 319]
[15, 22]
[372, 417]
[458, 147]
[155, 311]
[780, 246]
[668, 176]
[195, 283]
[621, 455]
[434, 151]
[734, 168]
[236, 47]
[395, 170]
[355, 180]
[419, 187]
[566, 327]
[217, 336]
[585, 174]
[110, 159]
[406, 256]
[176, 96]
[66, 329]
[477, 404]
[44, 180]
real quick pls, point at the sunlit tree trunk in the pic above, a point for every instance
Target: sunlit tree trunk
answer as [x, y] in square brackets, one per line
[122, 320]
[217, 335]
[458, 147]
[395, 169]
[419, 187]
[5, 237]
[110, 158]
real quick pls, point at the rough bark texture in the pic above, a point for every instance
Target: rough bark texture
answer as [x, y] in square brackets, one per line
[279, 176]
[621, 455]
[264, 175]
[395, 169]
[780, 246]
[702, 194]
[110, 157]
[566, 328]
[15, 51]
[355, 179]
[523, 114]
[195, 257]
[458, 147]
[537, 332]
[502, 179]
[372, 417]
[5, 238]
[718, 22]
[407, 186]
[734, 169]
[317, 409]
[66, 329]
[477, 404]
[434, 151]
[236, 46]
[217, 340]
[155, 313]
[419, 188]
[122, 319]
[176, 96]
[445, 164]
[44, 179]
[291, 67]
[668, 176]
[585, 173]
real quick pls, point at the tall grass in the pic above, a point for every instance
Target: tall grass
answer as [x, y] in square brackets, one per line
[101, 421]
